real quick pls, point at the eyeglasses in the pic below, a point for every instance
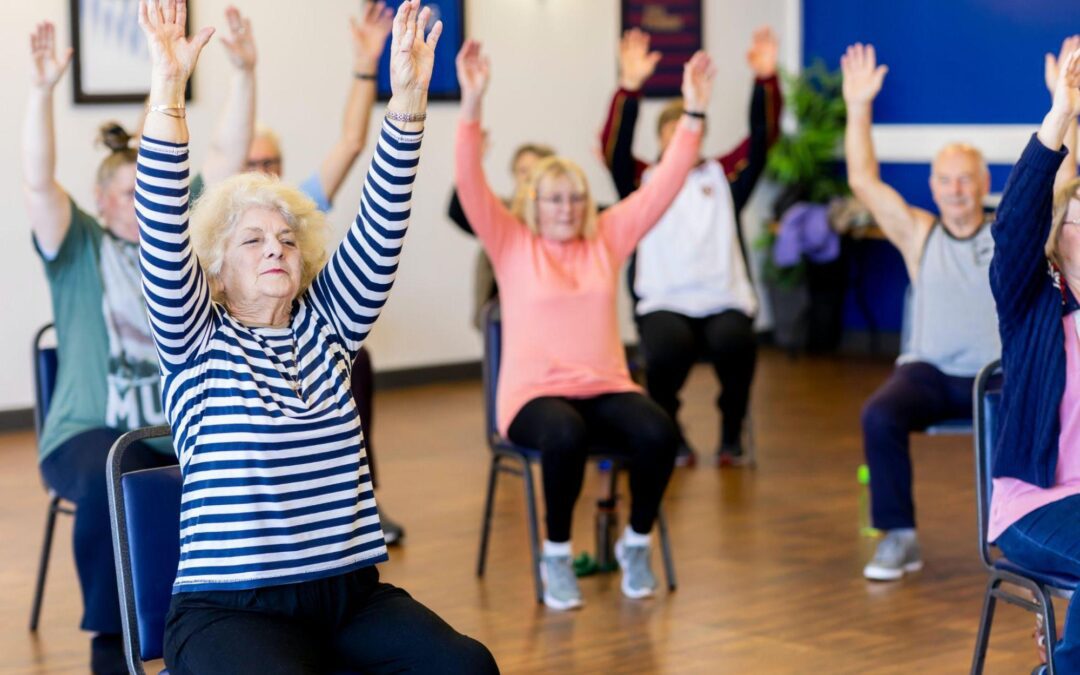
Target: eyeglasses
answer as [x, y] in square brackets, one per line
[575, 199]
[265, 165]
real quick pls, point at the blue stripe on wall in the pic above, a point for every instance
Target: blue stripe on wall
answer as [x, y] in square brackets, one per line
[950, 61]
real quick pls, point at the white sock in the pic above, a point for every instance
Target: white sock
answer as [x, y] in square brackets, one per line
[556, 548]
[631, 538]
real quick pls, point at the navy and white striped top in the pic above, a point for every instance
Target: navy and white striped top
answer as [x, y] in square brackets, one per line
[276, 482]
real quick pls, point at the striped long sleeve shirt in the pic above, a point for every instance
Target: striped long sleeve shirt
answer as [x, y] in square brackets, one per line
[276, 482]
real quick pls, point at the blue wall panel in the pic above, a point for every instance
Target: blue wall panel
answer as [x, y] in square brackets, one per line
[950, 61]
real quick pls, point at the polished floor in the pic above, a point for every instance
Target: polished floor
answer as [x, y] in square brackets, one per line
[768, 560]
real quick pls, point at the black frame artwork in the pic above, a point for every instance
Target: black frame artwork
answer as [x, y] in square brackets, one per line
[676, 29]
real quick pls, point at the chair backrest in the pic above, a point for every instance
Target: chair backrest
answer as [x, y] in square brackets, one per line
[45, 368]
[987, 403]
[491, 323]
[144, 507]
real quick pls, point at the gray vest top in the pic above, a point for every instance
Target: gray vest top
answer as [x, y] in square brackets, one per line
[953, 318]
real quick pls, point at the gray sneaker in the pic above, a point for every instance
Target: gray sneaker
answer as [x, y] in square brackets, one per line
[637, 576]
[560, 583]
[897, 554]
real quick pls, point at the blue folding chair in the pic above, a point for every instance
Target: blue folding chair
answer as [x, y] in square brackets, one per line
[45, 369]
[507, 457]
[144, 507]
[987, 400]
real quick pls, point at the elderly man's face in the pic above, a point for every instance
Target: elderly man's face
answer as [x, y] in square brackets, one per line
[958, 185]
[262, 260]
[1068, 243]
[264, 156]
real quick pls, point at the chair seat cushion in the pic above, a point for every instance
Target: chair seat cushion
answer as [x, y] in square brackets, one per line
[1062, 582]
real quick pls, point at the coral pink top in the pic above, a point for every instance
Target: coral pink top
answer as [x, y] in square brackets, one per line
[1013, 499]
[560, 330]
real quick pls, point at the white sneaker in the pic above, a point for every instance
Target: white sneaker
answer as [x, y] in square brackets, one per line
[896, 555]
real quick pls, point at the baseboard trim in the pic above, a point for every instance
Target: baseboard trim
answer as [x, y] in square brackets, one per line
[16, 420]
[414, 377]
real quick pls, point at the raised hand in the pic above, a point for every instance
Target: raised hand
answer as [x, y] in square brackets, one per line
[763, 53]
[862, 75]
[240, 43]
[369, 34]
[473, 70]
[411, 56]
[1067, 87]
[1052, 65]
[636, 62]
[698, 74]
[172, 53]
[47, 68]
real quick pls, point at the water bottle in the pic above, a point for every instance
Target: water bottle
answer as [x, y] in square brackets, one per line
[866, 529]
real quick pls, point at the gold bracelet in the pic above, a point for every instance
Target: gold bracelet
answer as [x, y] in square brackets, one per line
[174, 111]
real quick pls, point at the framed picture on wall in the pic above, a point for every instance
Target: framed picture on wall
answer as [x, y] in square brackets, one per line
[675, 30]
[444, 84]
[112, 61]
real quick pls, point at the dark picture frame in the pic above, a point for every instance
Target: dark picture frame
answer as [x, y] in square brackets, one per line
[111, 62]
[444, 83]
[675, 27]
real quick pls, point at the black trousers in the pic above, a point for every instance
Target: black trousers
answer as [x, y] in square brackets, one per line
[672, 343]
[563, 430]
[76, 471]
[351, 621]
[915, 396]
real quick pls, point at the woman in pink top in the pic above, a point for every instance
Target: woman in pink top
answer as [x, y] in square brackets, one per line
[1035, 500]
[564, 385]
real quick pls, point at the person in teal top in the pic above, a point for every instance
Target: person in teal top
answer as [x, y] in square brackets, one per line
[108, 381]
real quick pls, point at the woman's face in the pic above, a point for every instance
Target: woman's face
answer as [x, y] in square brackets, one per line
[262, 260]
[1068, 243]
[116, 204]
[560, 208]
[523, 166]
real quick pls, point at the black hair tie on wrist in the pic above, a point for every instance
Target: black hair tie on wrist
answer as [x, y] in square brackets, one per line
[698, 115]
[366, 76]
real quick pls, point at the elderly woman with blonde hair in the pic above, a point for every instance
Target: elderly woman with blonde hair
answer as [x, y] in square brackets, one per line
[256, 330]
[564, 383]
[1035, 461]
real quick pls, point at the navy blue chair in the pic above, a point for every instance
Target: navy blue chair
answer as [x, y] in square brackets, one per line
[507, 457]
[1042, 588]
[45, 364]
[144, 507]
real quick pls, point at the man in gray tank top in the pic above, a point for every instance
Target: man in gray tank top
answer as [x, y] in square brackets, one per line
[954, 323]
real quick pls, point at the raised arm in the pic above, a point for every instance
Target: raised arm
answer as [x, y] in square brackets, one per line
[177, 296]
[227, 154]
[625, 223]
[905, 226]
[47, 204]
[745, 164]
[636, 65]
[1051, 71]
[488, 216]
[353, 287]
[1024, 216]
[369, 35]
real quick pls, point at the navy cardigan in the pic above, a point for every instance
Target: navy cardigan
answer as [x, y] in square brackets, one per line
[1031, 302]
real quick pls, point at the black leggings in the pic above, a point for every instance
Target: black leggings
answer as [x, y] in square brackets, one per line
[351, 621]
[564, 429]
[76, 471]
[671, 344]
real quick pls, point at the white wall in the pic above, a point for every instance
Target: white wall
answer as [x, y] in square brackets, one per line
[554, 71]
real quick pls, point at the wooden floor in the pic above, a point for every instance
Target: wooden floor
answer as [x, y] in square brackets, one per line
[768, 560]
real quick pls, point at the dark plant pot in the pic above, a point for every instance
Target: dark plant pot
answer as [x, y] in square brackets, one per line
[790, 309]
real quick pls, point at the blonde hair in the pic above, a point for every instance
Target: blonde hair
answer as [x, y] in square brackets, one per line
[671, 113]
[541, 152]
[523, 205]
[118, 141]
[218, 211]
[1065, 194]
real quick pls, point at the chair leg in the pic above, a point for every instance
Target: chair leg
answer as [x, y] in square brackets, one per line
[665, 549]
[534, 528]
[1050, 627]
[43, 563]
[982, 639]
[485, 527]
